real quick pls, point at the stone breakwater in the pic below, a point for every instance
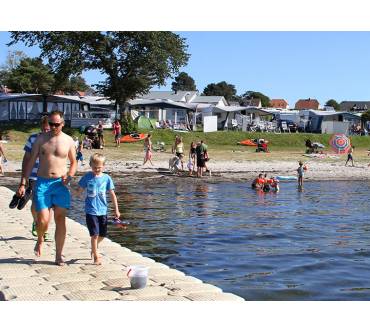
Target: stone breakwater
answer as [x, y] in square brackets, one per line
[23, 277]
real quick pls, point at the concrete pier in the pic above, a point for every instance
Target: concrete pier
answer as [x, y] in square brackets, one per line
[24, 277]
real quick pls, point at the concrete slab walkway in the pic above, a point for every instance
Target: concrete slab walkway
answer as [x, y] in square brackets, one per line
[23, 277]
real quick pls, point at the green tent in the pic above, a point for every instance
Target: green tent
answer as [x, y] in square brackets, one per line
[146, 123]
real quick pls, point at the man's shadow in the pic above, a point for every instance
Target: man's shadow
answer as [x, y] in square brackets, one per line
[26, 261]
[15, 238]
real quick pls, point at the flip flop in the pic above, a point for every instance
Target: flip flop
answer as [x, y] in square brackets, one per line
[27, 196]
[14, 202]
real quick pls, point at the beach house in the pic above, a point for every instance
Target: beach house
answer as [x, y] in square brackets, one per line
[279, 104]
[306, 104]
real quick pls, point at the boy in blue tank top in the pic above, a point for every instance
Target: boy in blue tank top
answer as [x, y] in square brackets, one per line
[96, 184]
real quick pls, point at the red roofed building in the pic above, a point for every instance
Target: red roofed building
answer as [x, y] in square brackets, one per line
[307, 104]
[279, 103]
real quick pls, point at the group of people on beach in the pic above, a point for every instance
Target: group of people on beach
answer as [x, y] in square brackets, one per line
[198, 156]
[47, 178]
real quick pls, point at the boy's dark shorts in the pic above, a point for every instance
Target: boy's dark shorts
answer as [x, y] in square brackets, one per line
[97, 225]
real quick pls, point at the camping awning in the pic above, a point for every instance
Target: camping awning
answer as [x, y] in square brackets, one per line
[229, 108]
[161, 103]
[259, 112]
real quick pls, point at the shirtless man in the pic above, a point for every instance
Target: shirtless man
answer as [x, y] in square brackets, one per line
[53, 149]
[44, 124]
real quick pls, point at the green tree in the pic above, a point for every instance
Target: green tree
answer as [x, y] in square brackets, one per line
[31, 76]
[73, 84]
[13, 59]
[333, 103]
[265, 101]
[183, 82]
[4, 76]
[128, 125]
[221, 89]
[133, 61]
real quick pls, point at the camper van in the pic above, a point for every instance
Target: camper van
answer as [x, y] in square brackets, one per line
[87, 118]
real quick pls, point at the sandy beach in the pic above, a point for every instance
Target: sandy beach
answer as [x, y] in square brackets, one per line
[225, 166]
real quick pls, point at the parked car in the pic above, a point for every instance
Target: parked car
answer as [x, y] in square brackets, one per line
[288, 124]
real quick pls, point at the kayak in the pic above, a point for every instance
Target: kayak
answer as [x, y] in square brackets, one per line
[253, 143]
[132, 138]
[286, 178]
[248, 142]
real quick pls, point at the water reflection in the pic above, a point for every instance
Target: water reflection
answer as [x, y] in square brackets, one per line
[200, 199]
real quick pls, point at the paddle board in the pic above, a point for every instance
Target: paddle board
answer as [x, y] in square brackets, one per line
[286, 178]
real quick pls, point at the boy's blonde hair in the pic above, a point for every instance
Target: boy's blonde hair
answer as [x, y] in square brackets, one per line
[97, 158]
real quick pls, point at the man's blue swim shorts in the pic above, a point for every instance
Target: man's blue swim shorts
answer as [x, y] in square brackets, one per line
[51, 192]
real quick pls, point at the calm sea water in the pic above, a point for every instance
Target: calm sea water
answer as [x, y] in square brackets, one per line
[310, 245]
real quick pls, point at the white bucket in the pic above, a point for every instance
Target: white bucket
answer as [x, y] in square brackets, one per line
[138, 276]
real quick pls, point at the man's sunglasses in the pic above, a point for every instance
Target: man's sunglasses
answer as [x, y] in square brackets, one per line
[54, 124]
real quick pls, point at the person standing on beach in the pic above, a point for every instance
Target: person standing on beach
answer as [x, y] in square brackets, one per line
[117, 132]
[201, 161]
[148, 147]
[2, 157]
[206, 157]
[53, 149]
[100, 131]
[79, 154]
[179, 151]
[175, 144]
[301, 169]
[192, 157]
[44, 124]
[350, 155]
[97, 184]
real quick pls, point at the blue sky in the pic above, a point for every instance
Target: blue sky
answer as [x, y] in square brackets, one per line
[289, 65]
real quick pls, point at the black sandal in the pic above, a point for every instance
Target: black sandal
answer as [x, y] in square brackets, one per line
[27, 196]
[14, 202]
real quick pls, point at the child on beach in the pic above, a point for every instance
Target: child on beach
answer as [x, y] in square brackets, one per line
[190, 166]
[350, 155]
[79, 155]
[301, 169]
[192, 156]
[96, 183]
